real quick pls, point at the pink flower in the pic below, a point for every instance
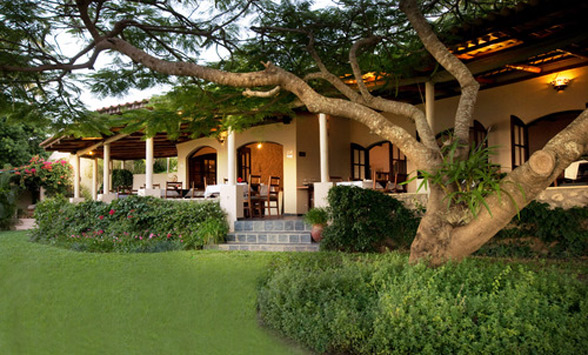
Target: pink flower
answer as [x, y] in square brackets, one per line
[33, 170]
[101, 217]
[129, 216]
[111, 212]
[17, 173]
[100, 231]
[140, 238]
[168, 235]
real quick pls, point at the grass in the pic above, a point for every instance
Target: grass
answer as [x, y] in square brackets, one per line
[55, 301]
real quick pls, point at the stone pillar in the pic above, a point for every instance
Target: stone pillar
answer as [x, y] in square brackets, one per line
[94, 179]
[106, 170]
[231, 157]
[324, 147]
[76, 198]
[76, 176]
[430, 103]
[231, 201]
[149, 164]
[107, 196]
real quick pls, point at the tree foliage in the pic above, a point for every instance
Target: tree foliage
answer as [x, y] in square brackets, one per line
[284, 55]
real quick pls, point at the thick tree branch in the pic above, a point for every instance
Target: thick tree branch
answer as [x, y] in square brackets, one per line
[399, 108]
[469, 86]
[370, 41]
[263, 94]
[531, 178]
[274, 76]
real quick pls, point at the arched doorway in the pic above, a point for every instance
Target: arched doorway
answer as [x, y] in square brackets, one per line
[260, 158]
[202, 165]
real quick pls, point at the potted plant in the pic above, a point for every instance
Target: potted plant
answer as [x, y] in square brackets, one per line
[317, 218]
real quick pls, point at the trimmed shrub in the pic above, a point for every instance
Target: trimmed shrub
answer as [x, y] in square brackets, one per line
[121, 178]
[364, 220]
[542, 231]
[8, 195]
[379, 304]
[133, 224]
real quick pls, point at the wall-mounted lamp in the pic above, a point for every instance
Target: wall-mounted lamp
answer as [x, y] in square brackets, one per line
[559, 84]
[222, 137]
[259, 145]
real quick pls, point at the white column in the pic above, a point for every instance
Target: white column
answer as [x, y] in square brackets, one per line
[231, 157]
[77, 176]
[106, 170]
[324, 147]
[94, 179]
[430, 103]
[149, 163]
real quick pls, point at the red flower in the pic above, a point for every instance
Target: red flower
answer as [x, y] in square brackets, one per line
[239, 180]
[101, 217]
[111, 212]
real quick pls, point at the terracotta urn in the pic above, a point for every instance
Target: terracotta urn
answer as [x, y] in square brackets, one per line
[317, 232]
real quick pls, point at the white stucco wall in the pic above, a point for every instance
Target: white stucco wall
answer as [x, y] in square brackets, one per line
[284, 134]
[527, 100]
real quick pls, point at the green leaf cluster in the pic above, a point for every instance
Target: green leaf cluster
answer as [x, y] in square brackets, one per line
[467, 182]
[379, 304]
[128, 225]
[363, 220]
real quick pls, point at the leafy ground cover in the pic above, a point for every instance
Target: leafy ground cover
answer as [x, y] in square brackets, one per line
[56, 301]
[378, 304]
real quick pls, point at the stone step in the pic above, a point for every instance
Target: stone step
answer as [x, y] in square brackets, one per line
[293, 225]
[269, 247]
[25, 224]
[262, 237]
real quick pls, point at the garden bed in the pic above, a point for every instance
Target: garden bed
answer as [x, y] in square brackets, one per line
[132, 224]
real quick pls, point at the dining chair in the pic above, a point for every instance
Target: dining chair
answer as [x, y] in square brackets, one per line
[382, 179]
[253, 206]
[173, 189]
[273, 195]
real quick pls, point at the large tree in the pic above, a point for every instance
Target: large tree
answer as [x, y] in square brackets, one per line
[153, 41]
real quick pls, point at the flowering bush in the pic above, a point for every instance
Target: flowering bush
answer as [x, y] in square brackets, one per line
[133, 224]
[53, 176]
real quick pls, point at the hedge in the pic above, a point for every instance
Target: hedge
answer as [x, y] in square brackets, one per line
[133, 224]
[378, 304]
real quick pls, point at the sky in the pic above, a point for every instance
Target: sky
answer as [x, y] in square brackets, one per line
[94, 102]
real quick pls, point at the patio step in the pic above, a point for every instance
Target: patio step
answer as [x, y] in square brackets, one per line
[269, 246]
[25, 224]
[270, 235]
[276, 225]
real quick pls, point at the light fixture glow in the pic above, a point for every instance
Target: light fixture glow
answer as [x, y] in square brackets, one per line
[259, 145]
[560, 83]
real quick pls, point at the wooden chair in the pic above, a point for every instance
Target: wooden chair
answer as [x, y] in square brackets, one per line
[273, 195]
[381, 179]
[253, 206]
[194, 193]
[173, 189]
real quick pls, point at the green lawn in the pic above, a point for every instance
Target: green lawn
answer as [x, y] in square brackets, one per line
[55, 301]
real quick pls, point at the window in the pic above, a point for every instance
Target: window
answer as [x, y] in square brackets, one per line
[359, 164]
[519, 138]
